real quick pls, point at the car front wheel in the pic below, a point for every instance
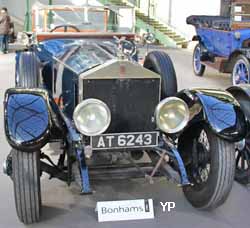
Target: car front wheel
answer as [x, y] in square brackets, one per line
[161, 63]
[26, 180]
[210, 167]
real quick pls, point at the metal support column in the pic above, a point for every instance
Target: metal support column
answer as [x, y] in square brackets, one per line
[170, 12]
[50, 14]
[225, 8]
[138, 3]
[149, 5]
[27, 23]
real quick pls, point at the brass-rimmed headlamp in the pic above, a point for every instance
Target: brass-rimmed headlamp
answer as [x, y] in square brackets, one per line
[92, 117]
[172, 115]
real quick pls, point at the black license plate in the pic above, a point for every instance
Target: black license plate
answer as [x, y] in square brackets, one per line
[124, 140]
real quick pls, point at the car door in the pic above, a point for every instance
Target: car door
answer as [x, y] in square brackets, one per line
[207, 35]
[222, 41]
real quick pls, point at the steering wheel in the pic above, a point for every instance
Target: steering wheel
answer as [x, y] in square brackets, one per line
[65, 28]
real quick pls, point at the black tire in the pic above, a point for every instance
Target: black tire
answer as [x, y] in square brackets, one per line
[27, 190]
[211, 191]
[28, 70]
[160, 63]
[198, 72]
[241, 59]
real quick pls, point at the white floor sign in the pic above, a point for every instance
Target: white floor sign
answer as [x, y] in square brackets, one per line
[125, 210]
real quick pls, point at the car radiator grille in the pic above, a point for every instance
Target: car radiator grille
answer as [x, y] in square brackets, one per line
[132, 102]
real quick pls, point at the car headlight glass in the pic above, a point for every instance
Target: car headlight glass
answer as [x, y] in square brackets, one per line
[172, 115]
[92, 117]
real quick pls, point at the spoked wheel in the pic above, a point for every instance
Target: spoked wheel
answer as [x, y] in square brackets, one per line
[241, 71]
[210, 163]
[198, 67]
[242, 172]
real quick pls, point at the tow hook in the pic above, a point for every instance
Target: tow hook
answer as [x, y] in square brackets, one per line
[7, 166]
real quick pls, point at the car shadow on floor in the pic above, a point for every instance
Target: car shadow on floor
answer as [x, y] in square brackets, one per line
[49, 212]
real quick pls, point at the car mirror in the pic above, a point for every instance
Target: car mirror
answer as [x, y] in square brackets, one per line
[128, 47]
[149, 38]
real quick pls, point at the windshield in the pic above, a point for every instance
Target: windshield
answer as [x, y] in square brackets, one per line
[83, 19]
[79, 55]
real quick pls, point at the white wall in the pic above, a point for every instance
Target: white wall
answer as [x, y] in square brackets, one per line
[17, 7]
[181, 9]
[162, 10]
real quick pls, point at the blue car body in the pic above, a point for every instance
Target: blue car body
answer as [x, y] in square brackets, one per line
[222, 43]
[221, 46]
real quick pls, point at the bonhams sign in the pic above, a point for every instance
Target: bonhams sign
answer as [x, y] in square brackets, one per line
[125, 210]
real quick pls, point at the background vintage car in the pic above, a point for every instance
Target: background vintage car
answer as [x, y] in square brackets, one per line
[224, 43]
[84, 89]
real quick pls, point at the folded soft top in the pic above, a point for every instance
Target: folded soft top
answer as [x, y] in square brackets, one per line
[216, 22]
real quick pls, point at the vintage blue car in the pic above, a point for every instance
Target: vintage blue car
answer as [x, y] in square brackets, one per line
[224, 43]
[78, 84]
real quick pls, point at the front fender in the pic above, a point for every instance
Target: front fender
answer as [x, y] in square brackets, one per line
[242, 94]
[196, 38]
[27, 118]
[219, 109]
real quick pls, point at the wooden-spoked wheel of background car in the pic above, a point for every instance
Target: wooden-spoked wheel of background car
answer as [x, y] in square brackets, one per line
[241, 71]
[26, 180]
[242, 171]
[198, 67]
[210, 164]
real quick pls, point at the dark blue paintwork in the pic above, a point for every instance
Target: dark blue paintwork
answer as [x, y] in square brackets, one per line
[78, 55]
[57, 47]
[220, 114]
[75, 138]
[27, 118]
[219, 109]
[84, 171]
[183, 171]
[222, 43]
[223, 114]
